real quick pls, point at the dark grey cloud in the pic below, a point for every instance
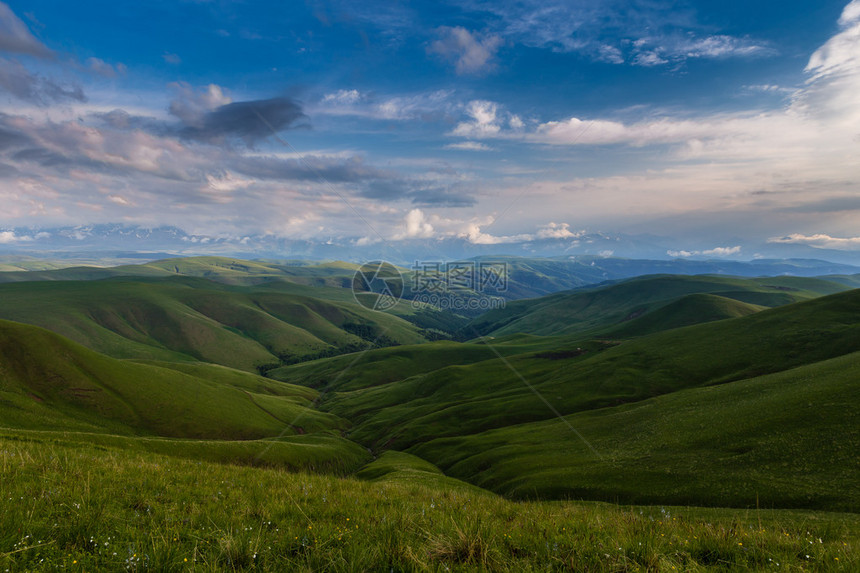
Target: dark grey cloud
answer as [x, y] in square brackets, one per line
[442, 198]
[43, 157]
[829, 205]
[122, 120]
[7, 170]
[250, 121]
[20, 83]
[418, 192]
[103, 68]
[310, 168]
[247, 120]
[16, 37]
[10, 138]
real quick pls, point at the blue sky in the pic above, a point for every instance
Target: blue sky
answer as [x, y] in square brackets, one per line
[722, 127]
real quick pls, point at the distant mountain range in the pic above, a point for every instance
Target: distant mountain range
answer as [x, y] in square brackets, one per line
[117, 241]
[525, 277]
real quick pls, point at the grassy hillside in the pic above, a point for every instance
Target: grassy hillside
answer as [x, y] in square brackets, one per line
[786, 440]
[685, 311]
[471, 415]
[608, 306]
[852, 281]
[20, 263]
[50, 383]
[222, 269]
[385, 365]
[674, 390]
[96, 508]
[463, 399]
[194, 319]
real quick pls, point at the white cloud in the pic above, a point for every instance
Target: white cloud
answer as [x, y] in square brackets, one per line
[820, 240]
[769, 88]
[610, 54]
[9, 237]
[475, 236]
[171, 59]
[558, 231]
[472, 230]
[722, 251]
[850, 14]
[649, 58]
[485, 120]
[366, 241]
[415, 226]
[118, 199]
[404, 107]
[715, 252]
[720, 46]
[679, 254]
[576, 131]
[831, 90]
[227, 182]
[343, 97]
[470, 53]
[469, 146]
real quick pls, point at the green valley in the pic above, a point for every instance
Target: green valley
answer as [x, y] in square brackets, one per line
[681, 392]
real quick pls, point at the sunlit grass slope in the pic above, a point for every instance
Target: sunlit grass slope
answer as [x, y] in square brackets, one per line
[195, 319]
[608, 306]
[50, 383]
[686, 311]
[95, 508]
[786, 440]
[469, 398]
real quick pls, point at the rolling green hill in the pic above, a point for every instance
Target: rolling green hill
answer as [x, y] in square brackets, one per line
[685, 311]
[51, 383]
[788, 440]
[221, 269]
[681, 390]
[463, 399]
[607, 306]
[184, 319]
[397, 399]
[385, 365]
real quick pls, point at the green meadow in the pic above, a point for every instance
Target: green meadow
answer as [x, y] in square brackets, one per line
[86, 507]
[211, 414]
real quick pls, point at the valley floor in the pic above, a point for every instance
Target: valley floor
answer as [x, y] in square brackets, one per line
[87, 507]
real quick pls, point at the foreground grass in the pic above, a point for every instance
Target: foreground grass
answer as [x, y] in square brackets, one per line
[93, 508]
